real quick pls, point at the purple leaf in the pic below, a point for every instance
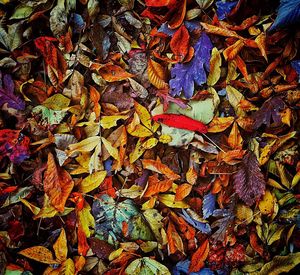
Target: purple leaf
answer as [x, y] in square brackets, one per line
[185, 74]
[166, 30]
[249, 182]
[7, 94]
[224, 8]
[268, 113]
[225, 218]
[288, 14]
[208, 206]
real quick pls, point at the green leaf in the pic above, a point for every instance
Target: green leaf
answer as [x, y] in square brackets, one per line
[146, 266]
[280, 264]
[49, 116]
[21, 12]
[111, 218]
[17, 196]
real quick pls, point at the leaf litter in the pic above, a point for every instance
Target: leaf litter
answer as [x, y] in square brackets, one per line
[149, 137]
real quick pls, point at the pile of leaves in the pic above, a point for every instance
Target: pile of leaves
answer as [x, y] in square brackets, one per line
[149, 137]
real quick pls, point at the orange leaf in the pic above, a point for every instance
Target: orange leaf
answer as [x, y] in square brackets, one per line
[220, 31]
[40, 254]
[182, 191]
[180, 43]
[231, 52]
[242, 67]
[156, 74]
[157, 166]
[261, 43]
[58, 184]
[179, 15]
[219, 124]
[235, 140]
[156, 186]
[83, 246]
[113, 73]
[198, 258]
[53, 58]
[95, 97]
[174, 240]
[231, 157]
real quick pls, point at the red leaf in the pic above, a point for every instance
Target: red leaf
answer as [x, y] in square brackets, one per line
[181, 122]
[180, 43]
[160, 3]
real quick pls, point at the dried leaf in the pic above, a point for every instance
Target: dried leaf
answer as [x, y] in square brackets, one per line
[58, 184]
[249, 182]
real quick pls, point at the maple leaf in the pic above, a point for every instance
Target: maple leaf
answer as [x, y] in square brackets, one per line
[7, 94]
[268, 113]
[184, 75]
[249, 182]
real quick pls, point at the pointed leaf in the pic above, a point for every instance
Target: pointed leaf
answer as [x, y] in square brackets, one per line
[249, 182]
[39, 254]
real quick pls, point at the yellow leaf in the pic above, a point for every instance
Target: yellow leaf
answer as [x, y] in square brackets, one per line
[136, 129]
[143, 114]
[111, 150]
[169, 200]
[266, 205]
[219, 124]
[275, 234]
[67, 268]
[60, 247]
[108, 122]
[133, 192]
[92, 181]
[235, 97]
[86, 220]
[150, 143]
[275, 184]
[281, 264]
[266, 152]
[165, 138]
[115, 254]
[157, 74]
[86, 145]
[244, 214]
[137, 152]
[215, 64]
[34, 209]
[39, 254]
